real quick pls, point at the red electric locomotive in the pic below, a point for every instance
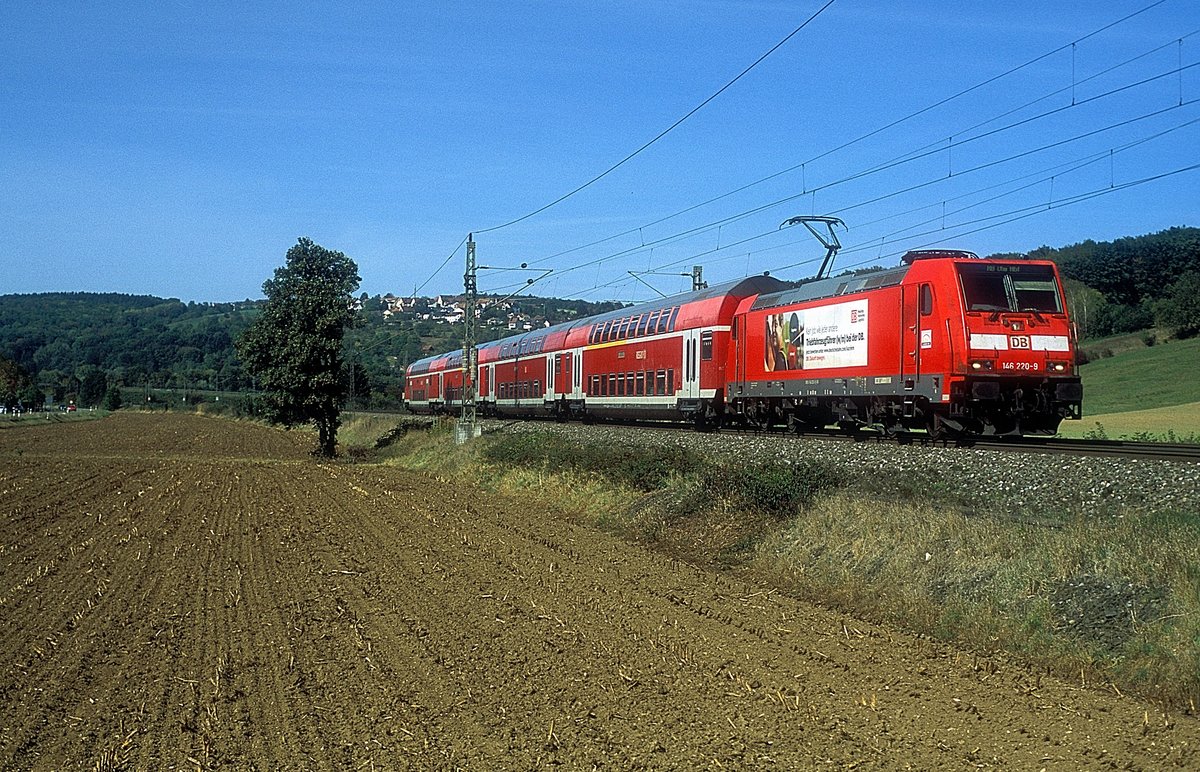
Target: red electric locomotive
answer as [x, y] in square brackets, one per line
[945, 342]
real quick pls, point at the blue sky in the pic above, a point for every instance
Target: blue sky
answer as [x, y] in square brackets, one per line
[179, 149]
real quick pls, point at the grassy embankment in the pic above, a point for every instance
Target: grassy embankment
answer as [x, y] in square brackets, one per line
[1140, 392]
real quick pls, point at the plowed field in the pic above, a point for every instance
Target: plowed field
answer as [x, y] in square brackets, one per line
[182, 592]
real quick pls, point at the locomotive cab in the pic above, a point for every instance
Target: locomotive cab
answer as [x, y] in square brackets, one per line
[1018, 374]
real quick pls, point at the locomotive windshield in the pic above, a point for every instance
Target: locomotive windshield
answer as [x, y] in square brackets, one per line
[1010, 287]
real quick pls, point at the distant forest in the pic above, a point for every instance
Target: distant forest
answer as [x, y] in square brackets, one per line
[76, 347]
[79, 347]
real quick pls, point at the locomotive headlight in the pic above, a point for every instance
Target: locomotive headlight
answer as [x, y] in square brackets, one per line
[981, 364]
[1057, 367]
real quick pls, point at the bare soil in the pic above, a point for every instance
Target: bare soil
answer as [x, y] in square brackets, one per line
[181, 592]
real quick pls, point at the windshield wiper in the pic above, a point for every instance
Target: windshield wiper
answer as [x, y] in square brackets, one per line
[1035, 313]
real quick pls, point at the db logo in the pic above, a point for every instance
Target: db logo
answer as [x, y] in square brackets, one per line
[1018, 341]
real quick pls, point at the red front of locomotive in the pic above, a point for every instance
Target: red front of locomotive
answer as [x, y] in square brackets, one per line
[1016, 372]
[945, 341]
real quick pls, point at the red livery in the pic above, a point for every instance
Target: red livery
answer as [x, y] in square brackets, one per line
[944, 342]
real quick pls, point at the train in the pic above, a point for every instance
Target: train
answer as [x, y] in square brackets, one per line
[944, 344]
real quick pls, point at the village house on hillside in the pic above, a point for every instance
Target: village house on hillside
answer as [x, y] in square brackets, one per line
[450, 309]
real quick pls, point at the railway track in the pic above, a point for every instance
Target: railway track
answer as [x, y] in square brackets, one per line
[1104, 448]
[1128, 449]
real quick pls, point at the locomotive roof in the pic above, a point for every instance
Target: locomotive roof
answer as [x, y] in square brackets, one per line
[834, 286]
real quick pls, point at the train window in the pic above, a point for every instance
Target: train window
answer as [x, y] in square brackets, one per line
[629, 384]
[593, 385]
[660, 382]
[558, 364]
[706, 346]
[1002, 287]
[643, 320]
[926, 300]
[640, 389]
[670, 382]
[537, 389]
[612, 384]
[1041, 295]
[674, 316]
[624, 328]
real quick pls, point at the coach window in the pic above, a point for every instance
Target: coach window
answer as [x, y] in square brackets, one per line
[640, 389]
[706, 346]
[666, 322]
[660, 382]
[670, 382]
[612, 384]
[537, 389]
[643, 319]
[926, 300]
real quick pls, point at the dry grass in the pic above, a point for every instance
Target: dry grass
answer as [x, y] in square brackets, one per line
[994, 584]
[1181, 420]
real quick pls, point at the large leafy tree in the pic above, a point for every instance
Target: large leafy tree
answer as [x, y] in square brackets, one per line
[294, 347]
[1179, 309]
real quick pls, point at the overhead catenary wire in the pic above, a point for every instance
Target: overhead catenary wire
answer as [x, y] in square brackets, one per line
[1056, 170]
[891, 194]
[907, 158]
[641, 149]
[893, 124]
[1012, 216]
[717, 223]
[665, 131]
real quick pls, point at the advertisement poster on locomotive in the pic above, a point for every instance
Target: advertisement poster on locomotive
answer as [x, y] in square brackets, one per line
[817, 338]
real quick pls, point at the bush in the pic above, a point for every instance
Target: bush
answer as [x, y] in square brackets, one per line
[772, 488]
[112, 399]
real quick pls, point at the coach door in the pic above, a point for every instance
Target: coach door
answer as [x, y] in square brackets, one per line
[562, 374]
[691, 365]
